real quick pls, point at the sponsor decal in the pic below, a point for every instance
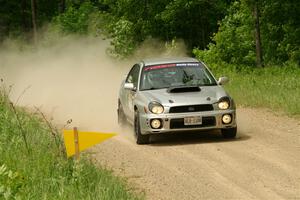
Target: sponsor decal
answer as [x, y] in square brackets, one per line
[159, 67]
[187, 64]
[153, 67]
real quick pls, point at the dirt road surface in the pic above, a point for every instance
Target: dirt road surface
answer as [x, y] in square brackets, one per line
[261, 163]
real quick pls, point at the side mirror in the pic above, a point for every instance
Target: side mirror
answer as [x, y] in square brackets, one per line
[223, 80]
[129, 86]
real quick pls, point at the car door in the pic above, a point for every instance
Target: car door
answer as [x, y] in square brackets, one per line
[129, 95]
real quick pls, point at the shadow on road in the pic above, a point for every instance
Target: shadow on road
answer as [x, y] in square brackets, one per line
[195, 137]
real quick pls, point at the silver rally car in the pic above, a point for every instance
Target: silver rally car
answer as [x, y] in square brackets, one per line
[171, 95]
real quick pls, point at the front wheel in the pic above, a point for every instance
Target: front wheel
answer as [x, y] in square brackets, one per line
[140, 139]
[229, 132]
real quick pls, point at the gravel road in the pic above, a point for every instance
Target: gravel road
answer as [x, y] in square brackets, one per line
[261, 163]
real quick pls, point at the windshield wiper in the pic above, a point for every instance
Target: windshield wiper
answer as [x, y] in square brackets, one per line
[195, 82]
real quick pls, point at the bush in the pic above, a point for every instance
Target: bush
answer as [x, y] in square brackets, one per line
[233, 43]
[123, 42]
[75, 20]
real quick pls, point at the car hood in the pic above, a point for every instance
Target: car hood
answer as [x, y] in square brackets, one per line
[207, 95]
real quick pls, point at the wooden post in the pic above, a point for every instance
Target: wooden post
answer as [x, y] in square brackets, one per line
[76, 143]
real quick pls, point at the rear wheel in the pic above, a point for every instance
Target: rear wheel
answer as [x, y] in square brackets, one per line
[229, 132]
[140, 139]
[121, 116]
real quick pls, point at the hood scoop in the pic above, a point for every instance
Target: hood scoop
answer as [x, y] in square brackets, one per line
[184, 89]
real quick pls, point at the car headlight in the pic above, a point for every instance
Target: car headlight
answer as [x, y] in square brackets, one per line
[156, 108]
[224, 103]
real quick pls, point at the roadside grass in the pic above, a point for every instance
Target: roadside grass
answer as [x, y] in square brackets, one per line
[33, 163]
[276, 88]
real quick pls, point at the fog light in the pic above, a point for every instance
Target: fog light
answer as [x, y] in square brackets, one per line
[155, 123]
[226, 119]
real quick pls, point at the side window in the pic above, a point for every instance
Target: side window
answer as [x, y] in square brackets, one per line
[133, 75]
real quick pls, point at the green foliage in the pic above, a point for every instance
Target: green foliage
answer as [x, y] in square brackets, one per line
[15, 17]
[281, 30]
[193, 21]
[75, 20]
[10, 19]
[225, 28]
[123, 41]
[10, 183]
[40, 170]
[86, 19]
[234, 43]
[130, 22]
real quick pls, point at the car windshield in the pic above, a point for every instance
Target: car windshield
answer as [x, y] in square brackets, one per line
[175, 75]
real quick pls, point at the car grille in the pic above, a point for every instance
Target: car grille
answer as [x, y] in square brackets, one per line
[191, 108]
[179, 123]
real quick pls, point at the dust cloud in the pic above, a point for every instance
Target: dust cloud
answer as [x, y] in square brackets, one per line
[73, 79]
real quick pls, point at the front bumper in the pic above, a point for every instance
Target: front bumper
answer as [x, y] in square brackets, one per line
[174, 122]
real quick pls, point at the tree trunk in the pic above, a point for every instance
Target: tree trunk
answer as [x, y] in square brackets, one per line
[33, 17]
[202, 33]
[259, 58]
[24, 24]
[62, 6]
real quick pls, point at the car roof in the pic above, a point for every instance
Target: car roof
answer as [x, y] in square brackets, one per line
[157, 61]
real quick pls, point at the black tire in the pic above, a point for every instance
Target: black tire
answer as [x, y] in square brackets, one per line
[229, 132]
[121, 116]
[140, 139]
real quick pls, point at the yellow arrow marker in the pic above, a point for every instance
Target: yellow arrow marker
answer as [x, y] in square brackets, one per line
[85, 140]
